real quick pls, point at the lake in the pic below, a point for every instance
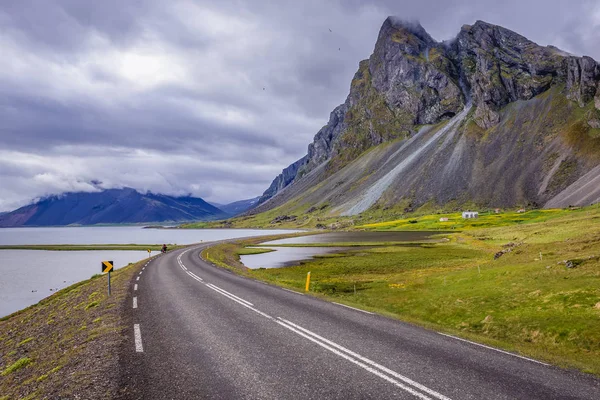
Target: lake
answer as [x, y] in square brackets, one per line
[360, 237]
[26, 276]
[288, 256]
[123, 235]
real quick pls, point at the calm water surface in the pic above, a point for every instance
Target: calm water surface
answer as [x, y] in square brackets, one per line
[354, 237]
[122, 235]
[26, 276]
[286, 256]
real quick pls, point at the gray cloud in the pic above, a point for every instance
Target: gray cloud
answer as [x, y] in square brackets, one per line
[210, 98]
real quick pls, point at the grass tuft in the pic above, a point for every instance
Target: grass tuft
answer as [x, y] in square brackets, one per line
[17, 365]
[92, 305]
[29, 339]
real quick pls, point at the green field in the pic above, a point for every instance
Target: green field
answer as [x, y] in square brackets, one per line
[526, 301]
[487, 219]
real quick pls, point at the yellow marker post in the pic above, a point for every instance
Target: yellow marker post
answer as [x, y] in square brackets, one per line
[307, 282]
[149, 253]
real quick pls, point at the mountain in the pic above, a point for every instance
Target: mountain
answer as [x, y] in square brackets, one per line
[112, 206]
[488, 119]
[237, 207]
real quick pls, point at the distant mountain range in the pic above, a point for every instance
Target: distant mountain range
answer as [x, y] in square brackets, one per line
[111, 206]
[237, 207]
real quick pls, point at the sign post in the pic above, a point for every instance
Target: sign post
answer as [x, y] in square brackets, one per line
[149, 253]
[107, 266]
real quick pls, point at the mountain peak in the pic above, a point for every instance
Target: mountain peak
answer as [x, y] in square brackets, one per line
[411, 26]
[489, 82]
[408, 33]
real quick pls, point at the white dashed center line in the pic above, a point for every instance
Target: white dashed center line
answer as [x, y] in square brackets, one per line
[138, 338]
[135, 302]
[135, 286]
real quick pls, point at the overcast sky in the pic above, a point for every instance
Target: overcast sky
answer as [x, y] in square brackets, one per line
[212, 98]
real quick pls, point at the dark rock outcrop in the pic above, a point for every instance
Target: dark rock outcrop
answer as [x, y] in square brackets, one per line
[286, 177]
[501, 66]
[583, 74]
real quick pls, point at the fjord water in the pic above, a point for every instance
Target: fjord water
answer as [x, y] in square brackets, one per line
[26, 276]
[122, 235]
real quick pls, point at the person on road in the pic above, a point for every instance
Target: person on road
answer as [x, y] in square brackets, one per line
[164, 248]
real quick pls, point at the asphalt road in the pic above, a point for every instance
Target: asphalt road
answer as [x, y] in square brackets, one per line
[198, 331]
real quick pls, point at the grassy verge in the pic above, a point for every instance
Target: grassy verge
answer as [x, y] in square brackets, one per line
[527, 300]
[82, 247]
[66, 346]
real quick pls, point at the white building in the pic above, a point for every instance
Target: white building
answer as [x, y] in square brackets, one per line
[470, 214]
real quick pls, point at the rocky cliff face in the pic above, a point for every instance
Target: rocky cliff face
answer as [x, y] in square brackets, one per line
[411, 80]
[501, 66]
[282, 180]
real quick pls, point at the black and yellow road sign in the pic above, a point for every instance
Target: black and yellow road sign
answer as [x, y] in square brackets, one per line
[107, 266]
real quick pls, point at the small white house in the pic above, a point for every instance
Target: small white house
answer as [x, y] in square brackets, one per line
[470, 214]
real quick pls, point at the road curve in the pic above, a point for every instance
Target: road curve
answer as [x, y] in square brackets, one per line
[198, 331]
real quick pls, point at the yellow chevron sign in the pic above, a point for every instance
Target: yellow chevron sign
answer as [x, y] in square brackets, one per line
[107, 266]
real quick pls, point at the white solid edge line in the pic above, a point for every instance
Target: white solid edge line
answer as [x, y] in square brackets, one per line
[493, 348]
[135, 286]
[360, 364]
[135, 302]
[354, 308]
[371, 362]
[138, 338]
[293, 291]
[230, 294]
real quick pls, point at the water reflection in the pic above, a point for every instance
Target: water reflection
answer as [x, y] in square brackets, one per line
[356, 237]
[286, 256]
